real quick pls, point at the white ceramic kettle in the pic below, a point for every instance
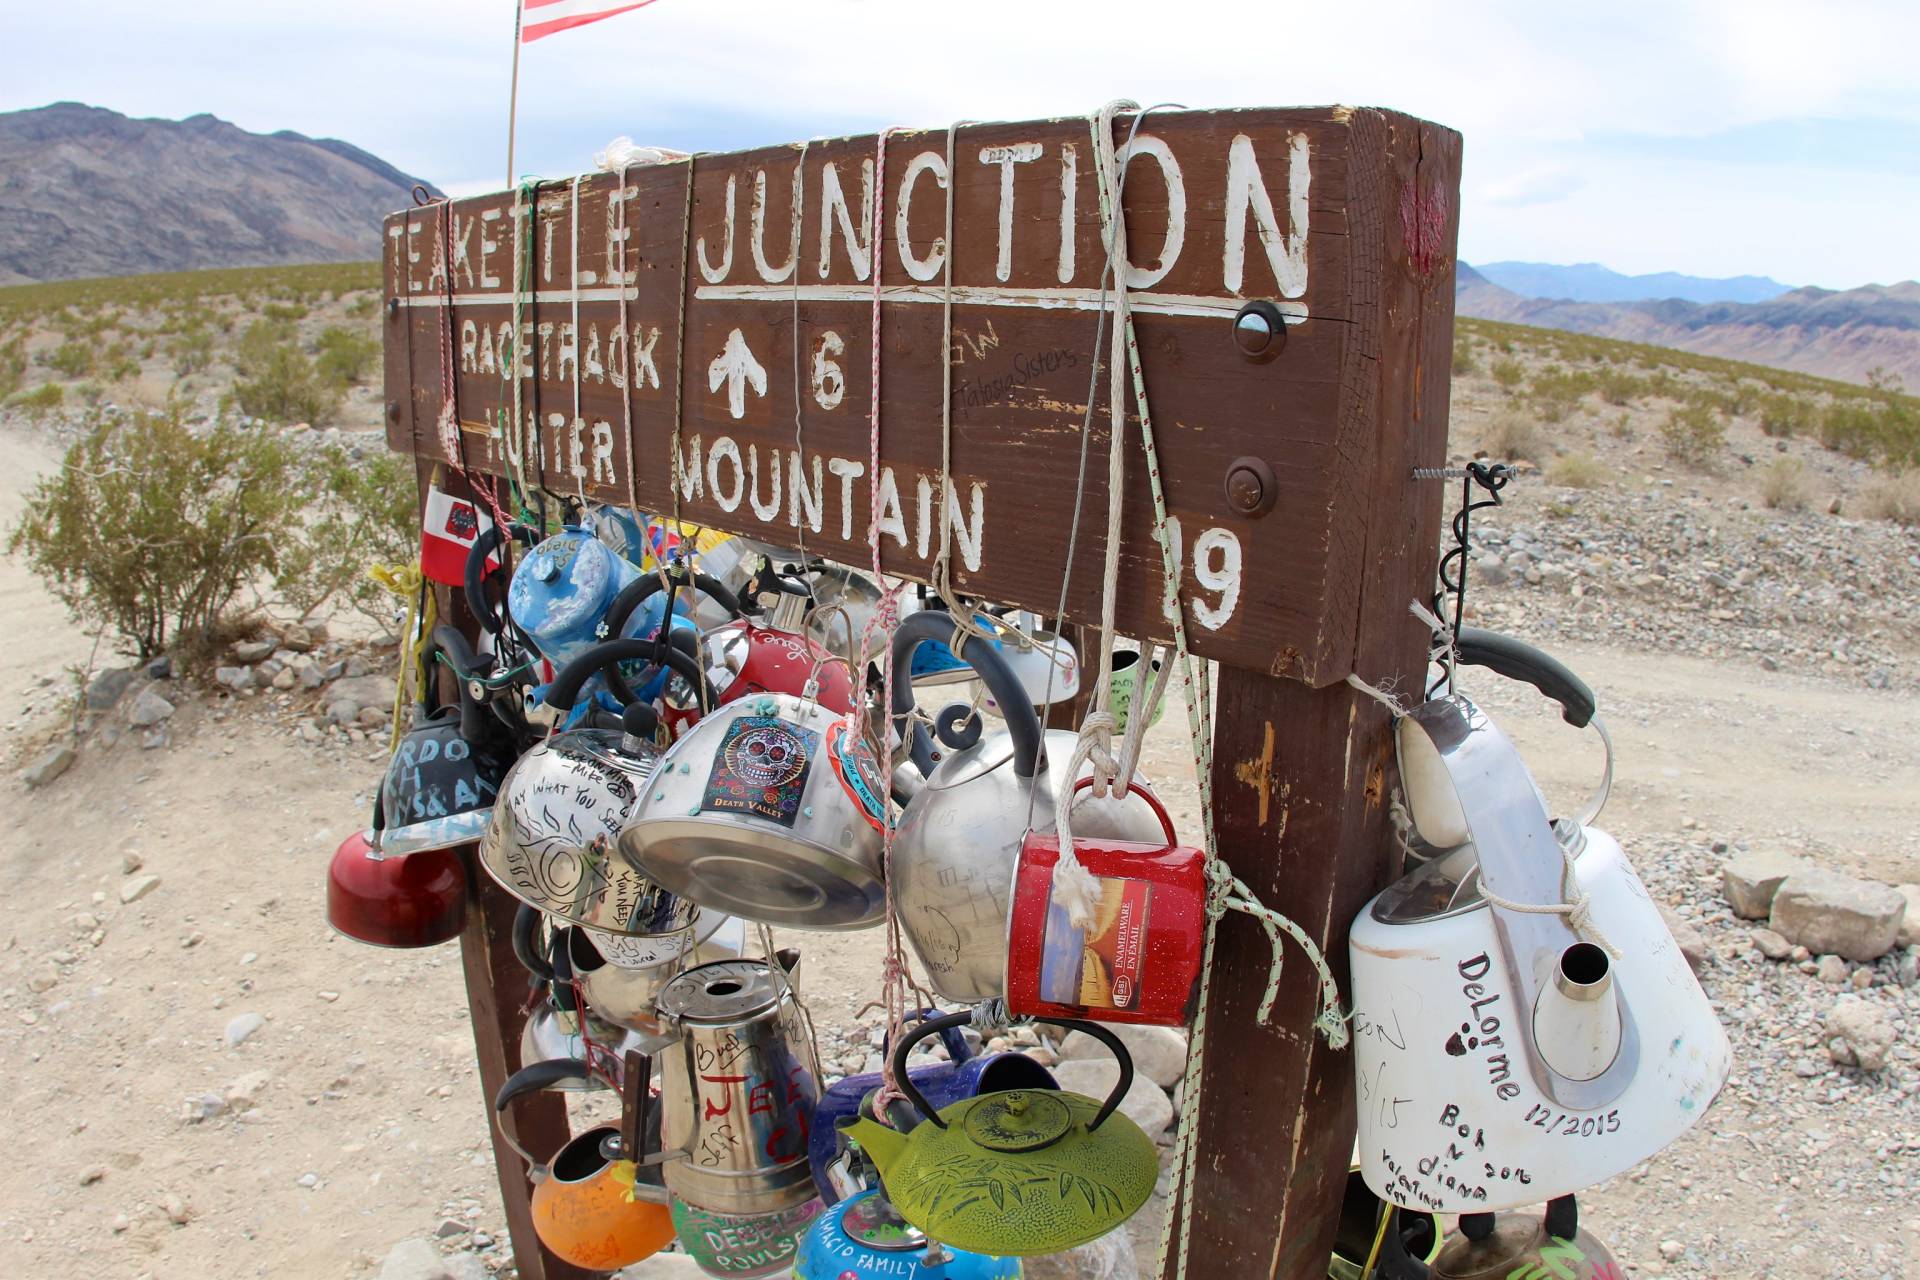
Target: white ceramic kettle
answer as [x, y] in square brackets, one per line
[1506, 1056]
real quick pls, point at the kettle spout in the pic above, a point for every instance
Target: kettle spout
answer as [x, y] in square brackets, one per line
[1576, 1021]
[883, 1145]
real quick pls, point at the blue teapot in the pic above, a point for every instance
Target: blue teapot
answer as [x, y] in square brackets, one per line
[862, 1237]
[963, 1075]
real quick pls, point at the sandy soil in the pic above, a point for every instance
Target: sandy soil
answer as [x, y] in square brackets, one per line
[366, 1124]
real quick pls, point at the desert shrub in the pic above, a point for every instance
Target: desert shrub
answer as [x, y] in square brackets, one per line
[364, 305]
[284, 310]
[151, 530]
[1508, 374]
[1894, 497]
[276, 380]
[1513, 437]
[43, 399]
[1694, 434]
[1464, 361]
[345, 357]
[89, 393]
[1617, 386]
[1557, 393]
[71, 359]
[1851, 426]
[1784, 415]
[191, 350]
[13, 365]
[117, 362]
[1785, 485]
[1577, 471]
[359, 512]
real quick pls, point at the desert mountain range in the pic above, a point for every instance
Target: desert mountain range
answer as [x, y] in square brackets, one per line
[89, 192]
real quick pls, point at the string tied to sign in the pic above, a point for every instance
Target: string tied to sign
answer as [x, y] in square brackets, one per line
[1227, 892]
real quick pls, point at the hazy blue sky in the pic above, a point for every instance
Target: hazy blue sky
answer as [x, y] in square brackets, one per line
[1716, 137]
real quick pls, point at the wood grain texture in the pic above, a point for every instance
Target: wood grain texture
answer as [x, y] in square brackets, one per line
[1303, 821]
[496, 991]
[753, 365]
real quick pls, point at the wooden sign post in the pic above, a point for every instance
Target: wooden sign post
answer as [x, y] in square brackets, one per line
[703, 338]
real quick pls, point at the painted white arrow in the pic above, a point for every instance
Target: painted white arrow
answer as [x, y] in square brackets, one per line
[736, 367]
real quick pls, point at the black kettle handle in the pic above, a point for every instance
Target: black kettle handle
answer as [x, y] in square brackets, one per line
[648, 585]
[565, 689]
[1023, 722]
[1394, 1262]
[1518, 660]
[934, 1026]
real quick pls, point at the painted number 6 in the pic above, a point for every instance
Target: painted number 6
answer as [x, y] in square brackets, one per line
[1216, 567]
[829, 383]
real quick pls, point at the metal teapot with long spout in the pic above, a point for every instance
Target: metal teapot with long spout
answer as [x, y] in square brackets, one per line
[960, 835]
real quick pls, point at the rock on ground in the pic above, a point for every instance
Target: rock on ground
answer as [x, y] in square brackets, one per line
[243, 1026]
[1146, 1103]
[1159, 1053]
[364, 691]
[1825, 911]
[148, 709]
[1750, 880]
[1859, 1034]
[1909, 933]
[1685, 936]
[58, 759]
[107, 687]
[1771, 945]
[139, 887]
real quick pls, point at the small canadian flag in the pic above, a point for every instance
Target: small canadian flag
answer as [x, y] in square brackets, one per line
[448, 531]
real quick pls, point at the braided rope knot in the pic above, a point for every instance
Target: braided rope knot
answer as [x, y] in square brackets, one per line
[1577, 907]
[1227, 891]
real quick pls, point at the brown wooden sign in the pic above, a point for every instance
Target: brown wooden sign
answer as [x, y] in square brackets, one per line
[738, 317]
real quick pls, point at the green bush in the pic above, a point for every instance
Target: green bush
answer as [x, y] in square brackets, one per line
[1784, 415]
[284, 311]
[71, 359]
[346, 357]
[13, 365]
[1557, 393]
[359, 513]
[277, 381]
[1785, 485]
[43, 399]
[1619, 387]
[1694, 434]
[1508, 374]
[151, 530]
[1578, 471]
[191, 350]
[1464, 361]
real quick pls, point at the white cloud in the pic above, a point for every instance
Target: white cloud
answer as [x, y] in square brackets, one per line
[1534, 186]
[423, 84]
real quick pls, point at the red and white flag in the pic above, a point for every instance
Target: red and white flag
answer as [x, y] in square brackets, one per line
[545, 17]
[448, 529]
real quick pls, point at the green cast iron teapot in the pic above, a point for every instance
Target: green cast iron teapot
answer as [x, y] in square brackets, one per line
[1015, 1173]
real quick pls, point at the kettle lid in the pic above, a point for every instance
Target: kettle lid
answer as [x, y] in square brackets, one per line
[1018, 1120]
[872, 1220]
[724, 991]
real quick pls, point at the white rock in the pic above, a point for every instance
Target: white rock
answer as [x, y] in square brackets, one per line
[1859, 1034]
[1146, 1103]
[1909, 933]
[413, 1260]
[148, 709]
[138, 887]
[1825, 911]
[242, 1093]
[242, 1026]
[1750, 880]
[1159, 1053]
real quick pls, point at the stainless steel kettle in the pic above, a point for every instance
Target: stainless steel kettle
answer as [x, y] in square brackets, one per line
[959, 837]
[738, 1089]
[550, 841]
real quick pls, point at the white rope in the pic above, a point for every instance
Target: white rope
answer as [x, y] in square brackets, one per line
[1576, 908]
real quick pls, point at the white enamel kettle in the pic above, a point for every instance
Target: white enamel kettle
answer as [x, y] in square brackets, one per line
[1524, 1023]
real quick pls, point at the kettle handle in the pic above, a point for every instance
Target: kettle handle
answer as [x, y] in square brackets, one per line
[526, 946]
[493, 617]
[565, 689]
[532, 1078]
[648, 585]
[1023, 723]
[933, 1026]
[957, 1048]
[1518, 660]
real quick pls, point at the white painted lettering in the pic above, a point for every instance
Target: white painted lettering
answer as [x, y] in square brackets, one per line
[713, 274]
[802, 499]
[1147, 145]
[829, 383]
[930, 266]
[768, 511]
[833, 208]
[1247, 193]
[724, 449]
[757, 230]
[848, 470]
[1007, 157]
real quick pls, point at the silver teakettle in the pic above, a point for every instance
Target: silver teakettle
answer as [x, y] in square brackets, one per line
[738, 1089]
[960, 835]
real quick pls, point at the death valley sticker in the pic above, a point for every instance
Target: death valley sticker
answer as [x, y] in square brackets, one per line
[760, 768]
[1098, 967]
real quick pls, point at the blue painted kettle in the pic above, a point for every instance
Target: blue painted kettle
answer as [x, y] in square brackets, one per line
[862, 1238]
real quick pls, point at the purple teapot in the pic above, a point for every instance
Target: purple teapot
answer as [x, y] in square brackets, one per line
[963, 1075]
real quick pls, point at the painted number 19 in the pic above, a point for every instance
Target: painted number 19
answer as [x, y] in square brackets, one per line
[1216, 567]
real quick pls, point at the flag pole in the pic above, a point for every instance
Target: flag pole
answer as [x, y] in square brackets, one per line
[513, 94]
